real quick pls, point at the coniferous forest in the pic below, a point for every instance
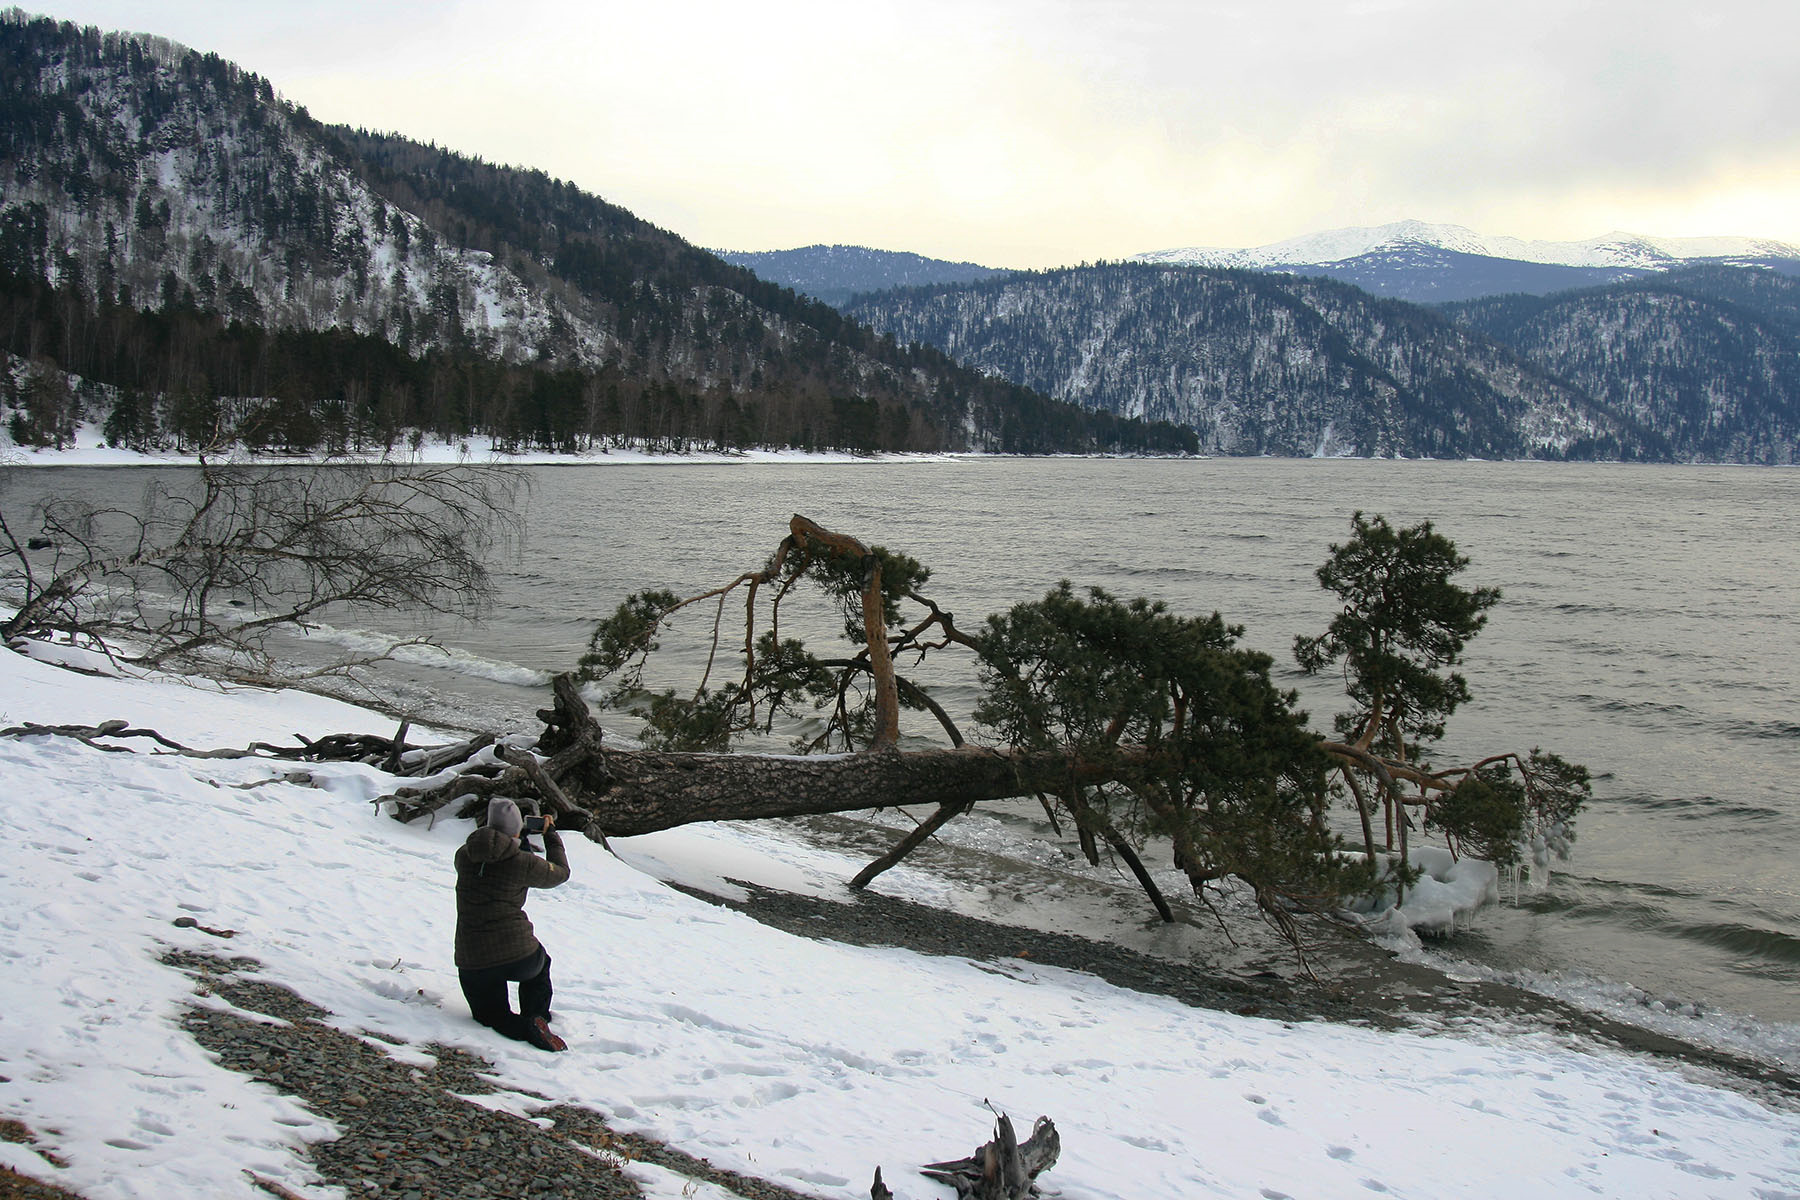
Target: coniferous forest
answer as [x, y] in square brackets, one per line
[188, 258]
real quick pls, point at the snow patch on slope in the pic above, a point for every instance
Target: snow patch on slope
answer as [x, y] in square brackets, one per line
[694, 1024]
[1625, 250]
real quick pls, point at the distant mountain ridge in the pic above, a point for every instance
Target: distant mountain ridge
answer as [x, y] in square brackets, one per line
[1420, 261]
[1708, 356]
[1611, 250]
[1699, 364]
[833, 274]
[204, 258]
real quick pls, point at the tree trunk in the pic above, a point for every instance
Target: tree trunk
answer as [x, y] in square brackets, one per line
[650, 791]
[875, 634]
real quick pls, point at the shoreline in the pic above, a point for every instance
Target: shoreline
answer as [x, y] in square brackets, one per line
[1366, 987]
[1353, 979]
[90, 451]
[1344, 976]
[1362, 983]
[740, 1029]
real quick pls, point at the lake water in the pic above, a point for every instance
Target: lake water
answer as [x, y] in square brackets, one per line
[1647, 629]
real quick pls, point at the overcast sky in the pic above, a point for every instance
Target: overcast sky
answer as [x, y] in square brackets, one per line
[1033, 133]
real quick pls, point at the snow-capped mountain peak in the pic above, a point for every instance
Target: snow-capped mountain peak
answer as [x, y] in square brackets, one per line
[1612, 250]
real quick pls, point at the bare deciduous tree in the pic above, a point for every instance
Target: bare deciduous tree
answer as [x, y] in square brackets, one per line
[208, 566]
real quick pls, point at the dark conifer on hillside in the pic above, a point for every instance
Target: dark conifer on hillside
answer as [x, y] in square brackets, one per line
[1696, 364]
[202, 253]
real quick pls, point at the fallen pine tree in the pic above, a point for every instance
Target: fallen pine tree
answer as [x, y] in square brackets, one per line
[1124, 720]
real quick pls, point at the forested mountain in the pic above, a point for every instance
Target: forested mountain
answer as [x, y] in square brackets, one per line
[1260, 364]
[836, 273]
[1431, 274]
[188, 257]
[1708, 356]
[1433, 263]
[1698, 364]
[208, 259]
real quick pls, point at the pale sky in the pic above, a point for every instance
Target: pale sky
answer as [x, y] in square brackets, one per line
[1037, 133]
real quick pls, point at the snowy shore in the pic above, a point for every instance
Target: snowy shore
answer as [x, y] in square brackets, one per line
[804, 1061]
[90, 449]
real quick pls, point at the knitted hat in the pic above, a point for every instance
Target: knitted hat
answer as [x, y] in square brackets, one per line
[503, 815]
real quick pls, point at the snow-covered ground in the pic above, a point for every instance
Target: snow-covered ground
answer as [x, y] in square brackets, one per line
[807, 1062]
[90, 450]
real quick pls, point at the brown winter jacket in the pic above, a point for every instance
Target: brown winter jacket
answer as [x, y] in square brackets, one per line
[492, 877]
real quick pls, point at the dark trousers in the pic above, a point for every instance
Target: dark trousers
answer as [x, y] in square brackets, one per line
[485, 990]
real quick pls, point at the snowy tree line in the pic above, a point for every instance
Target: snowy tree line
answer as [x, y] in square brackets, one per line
[1693, 364]
[171, 228]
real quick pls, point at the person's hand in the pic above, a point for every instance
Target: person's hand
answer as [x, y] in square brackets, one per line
[549, 821]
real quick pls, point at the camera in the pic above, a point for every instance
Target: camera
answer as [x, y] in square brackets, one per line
[534, 825]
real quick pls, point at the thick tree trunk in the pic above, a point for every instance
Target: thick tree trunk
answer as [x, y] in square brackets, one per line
[649, 791]
[631, 792]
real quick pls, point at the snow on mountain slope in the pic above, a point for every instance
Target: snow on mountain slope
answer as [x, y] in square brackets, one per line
[1620, 250]
[161, 174]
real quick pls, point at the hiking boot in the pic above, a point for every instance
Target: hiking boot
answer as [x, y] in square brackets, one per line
[542, 1038]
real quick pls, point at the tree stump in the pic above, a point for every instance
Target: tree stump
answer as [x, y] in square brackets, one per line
[1003, 1169]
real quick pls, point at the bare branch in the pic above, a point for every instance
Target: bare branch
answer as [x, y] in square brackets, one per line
[206, 570]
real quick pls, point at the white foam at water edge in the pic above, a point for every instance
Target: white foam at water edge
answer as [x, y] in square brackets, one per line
[449, 658]
[1773, 1042]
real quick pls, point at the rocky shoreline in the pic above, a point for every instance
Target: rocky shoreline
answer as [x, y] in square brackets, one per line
[412, 1132]
[1362, 985]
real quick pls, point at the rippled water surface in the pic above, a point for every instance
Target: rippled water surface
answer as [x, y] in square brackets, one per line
[1647, 629]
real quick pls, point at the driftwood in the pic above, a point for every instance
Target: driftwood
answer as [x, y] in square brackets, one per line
[337, 747]
[568, 768]
[432, 759]
[273, 1188]
[554, 796]
[1003, 1169]
[392, 755]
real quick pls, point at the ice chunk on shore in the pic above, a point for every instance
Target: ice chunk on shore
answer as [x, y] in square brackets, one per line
[1449, 890]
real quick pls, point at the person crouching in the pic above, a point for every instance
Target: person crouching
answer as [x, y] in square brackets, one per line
[495, 944]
